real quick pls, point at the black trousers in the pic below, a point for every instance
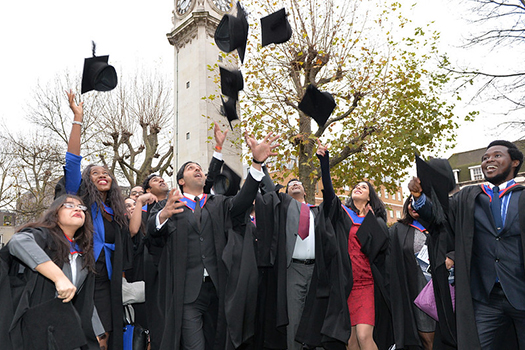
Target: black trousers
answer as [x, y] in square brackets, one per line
[199, 319]
[496, 316]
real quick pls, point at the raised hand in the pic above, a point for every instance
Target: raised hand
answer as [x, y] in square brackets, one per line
[220, 136]
[173, 206]
[146, 198]
[78, 110]
[261, 151]
[414, 186]
[321, 149]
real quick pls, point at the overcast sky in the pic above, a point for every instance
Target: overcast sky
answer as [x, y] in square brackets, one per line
[41, 39]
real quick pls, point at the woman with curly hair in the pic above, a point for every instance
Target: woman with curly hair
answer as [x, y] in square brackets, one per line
[47, 259]
[111, 240]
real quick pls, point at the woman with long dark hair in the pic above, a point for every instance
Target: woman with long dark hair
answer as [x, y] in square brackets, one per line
[111, 240]
[47, 259]
[361, 301]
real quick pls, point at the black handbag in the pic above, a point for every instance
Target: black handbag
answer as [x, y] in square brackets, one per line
[135, 337]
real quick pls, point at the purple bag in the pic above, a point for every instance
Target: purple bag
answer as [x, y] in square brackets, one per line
[426, 300]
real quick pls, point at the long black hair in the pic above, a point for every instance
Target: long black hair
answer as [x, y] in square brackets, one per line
[407, 219]
[83, 235]
[114, 198]
[377, 205]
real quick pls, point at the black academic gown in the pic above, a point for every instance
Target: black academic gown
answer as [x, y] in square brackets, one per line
[21, 291]
[462, 224]
[172, 263]
[325, 320]
[402, 276]
[375, 249]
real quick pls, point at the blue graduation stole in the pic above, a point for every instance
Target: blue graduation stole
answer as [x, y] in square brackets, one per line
[145, 208]
[99, 236]
[416, 224]
[73, 247]
[356, 219]
[190, 203]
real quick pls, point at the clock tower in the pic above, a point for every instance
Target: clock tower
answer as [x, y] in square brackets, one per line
[192, 37]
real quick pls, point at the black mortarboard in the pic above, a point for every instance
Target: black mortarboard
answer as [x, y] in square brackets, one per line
[98, 75]
[436, 174]
[232, 32]
[275, 28]
[318, 105]
[231, 82]
[54, 325]
[228, 182]
[371, 236]
[229, 109]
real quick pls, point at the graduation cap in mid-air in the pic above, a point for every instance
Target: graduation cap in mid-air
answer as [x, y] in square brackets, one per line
[318, 105]
[54, 325]
[98, 75]
[229, 109]
[275, 28]
[231, 83]
[436, 174]
[232, 32]
[228, 182]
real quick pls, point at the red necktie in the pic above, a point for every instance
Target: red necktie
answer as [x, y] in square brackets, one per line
[304, 221]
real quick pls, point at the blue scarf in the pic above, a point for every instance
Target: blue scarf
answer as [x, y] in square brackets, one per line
[99, 236]
[191, 203]
[356, 219]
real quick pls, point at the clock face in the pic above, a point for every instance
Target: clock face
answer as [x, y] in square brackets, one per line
[223, 5]
[183, 6]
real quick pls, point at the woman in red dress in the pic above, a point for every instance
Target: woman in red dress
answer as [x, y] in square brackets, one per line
[361, 300]
[361, 303]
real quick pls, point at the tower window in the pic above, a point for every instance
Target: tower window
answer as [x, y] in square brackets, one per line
[187, 85]
[187, 136]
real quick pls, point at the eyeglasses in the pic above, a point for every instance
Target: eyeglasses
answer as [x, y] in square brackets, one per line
[137, 193]
[73, 206]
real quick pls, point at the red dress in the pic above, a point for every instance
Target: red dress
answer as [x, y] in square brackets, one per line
[361, 299]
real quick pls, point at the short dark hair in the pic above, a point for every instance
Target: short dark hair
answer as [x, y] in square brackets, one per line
[145, 184]
[514, 152]
[288, 184]
[180, 173]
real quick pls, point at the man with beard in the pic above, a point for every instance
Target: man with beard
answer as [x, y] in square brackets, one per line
[488, 222]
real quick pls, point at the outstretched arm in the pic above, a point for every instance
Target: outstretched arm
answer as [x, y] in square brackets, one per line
[73, 145]
[328, 189]
[73, 158]
[216, 161]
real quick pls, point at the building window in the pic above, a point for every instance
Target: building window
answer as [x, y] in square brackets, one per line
[220, 58]
[187, 85]
[187, 136]
[391, 213]
[456, 175]
[386, 194]
[476, 173]
[399, 196]
[8, 220]
[398, 214]
[379, 194]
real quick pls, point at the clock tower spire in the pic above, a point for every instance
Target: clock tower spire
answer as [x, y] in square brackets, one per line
[192, 37]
